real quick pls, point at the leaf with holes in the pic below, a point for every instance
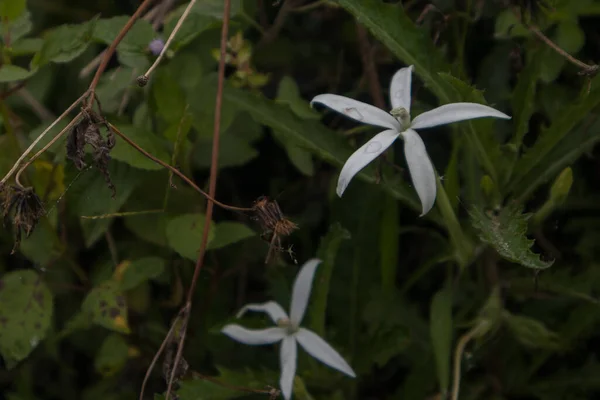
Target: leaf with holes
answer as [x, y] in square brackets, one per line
[105, 305]
[26, 307]
[505, 232]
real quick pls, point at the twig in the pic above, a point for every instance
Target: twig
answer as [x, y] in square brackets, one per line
[186, 12]
[587, 69]
[46, 147]
[458, 353]
[113, 46]
[175, 171]
[41, 136]
[212, 186]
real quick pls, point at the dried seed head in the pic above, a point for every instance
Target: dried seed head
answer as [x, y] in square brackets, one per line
[273, 222]
[88, 132]
[23, 208]
[142, 80]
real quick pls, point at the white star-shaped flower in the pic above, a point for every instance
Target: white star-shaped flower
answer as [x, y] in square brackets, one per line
[399, 123]
[288, 331]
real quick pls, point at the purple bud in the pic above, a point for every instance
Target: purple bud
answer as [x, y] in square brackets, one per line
[156, 46]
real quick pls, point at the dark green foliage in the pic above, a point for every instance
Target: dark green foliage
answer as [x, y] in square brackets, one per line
[95, 263]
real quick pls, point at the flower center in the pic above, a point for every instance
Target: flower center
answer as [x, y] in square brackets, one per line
[402, 115]
[287, 325]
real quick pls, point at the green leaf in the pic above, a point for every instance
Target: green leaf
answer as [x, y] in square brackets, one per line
[227, 233]
[12, 73]
[311, 135]
[197, 389]
[26, 306]
[112, 355]
[288, 93]
[440, 329]
[570, 38]
[550, 137]
[505, 232]
[151, 227]
[18, 27]
[411, 44]
[131, 274]
[233, 152]
[93, 198]
[530, 332]
[64, 43]
[184, 234]
[12, 9]
[105, 306]
[133, 49]
[328, 249]
[523, 98]
[147, 141]
[169, 98]
[113, 87]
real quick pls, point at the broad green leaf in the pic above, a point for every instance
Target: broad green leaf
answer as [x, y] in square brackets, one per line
[560, 128]
[17, 28]
[570, 38]
[131, 274]
[12, 73]
[288, 93]
[133, 49]
[202, 107]
[26, 307]
[168, 97]
[147, 141]
[508, 26]
[26, 46]
[112, 355]
[227, 233]
[113, 87]
[531, 332]
[65, 43]
[328, 249]
[105, 305]
[233, 152]
[12, 9]
[505, 231]
[440, 329]
[150, 227]
[92, 197]
[184, 234]
[311, 135]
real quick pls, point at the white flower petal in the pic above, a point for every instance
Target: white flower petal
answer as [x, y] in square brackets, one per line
[357, 110]
[288, 355]
[400, 88]
[301, 290]
[421, 169]
[363, 156]
[455, 112]
[254, 336]
[322, 351]
[274, 310]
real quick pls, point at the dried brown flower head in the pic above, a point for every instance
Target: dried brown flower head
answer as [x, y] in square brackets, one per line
[273, 222]
[87, 131]
[23, 208]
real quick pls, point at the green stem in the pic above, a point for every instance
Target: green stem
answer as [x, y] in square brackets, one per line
[461, 243]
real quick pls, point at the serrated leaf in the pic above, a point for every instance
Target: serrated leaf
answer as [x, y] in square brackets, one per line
[227, 233]
[105, 306]
[440, 329]
[131, 274]
[12, 73]
[184, 234]
[550, 137]
[26, 306]
[505, 232]
[147, 141]
[111, 356]
[64, 43]
[18, 27]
